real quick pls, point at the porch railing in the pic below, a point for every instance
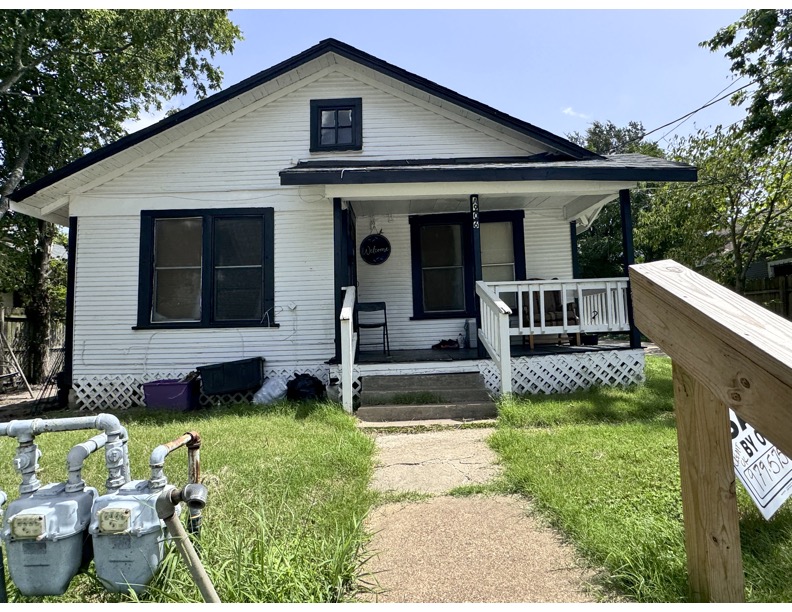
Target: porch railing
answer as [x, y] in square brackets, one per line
[565, 306]
[494, 332]
[349, 340]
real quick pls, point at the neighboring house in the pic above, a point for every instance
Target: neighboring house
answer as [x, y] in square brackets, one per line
[230, 229]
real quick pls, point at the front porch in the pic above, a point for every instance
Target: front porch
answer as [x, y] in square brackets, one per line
[526, 349]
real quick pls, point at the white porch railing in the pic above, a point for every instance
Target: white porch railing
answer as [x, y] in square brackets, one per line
[565, 306]
[349, 339]
[494, 332]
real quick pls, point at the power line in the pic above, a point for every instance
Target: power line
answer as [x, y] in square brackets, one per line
[685, 116]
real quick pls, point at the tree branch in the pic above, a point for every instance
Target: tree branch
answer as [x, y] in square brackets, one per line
[15, 176]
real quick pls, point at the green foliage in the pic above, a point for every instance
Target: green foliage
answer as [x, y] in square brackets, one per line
[68, 80]
[760, 47]
[600, 252]
[288, 490]
[608, 476]
[737, 212]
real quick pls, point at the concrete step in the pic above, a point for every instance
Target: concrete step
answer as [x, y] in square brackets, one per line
[422, 382]
[422, 412]
[435, 396]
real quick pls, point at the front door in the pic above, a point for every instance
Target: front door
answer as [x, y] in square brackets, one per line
[443, 262]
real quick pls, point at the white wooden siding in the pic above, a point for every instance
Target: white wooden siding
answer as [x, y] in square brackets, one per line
[106, 301]
[249, 152]
[547, 255]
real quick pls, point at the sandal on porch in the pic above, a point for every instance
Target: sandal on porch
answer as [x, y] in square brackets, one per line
[446, 344]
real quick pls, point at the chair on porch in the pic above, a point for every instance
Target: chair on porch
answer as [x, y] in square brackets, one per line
[553, 311]
[374, 322]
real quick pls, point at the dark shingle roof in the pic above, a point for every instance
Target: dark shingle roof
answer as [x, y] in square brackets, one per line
[626, 167]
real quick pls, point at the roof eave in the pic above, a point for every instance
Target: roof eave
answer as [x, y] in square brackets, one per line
[353, 176]
[326, 46]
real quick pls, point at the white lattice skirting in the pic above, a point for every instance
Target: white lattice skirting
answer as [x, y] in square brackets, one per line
[334, 390]
[570, 372]
[122, 392]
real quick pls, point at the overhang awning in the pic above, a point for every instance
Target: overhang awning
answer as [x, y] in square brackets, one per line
[626, 167]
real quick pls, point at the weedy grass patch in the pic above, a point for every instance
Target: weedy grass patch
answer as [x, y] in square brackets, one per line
[287, 497]
[603, 467]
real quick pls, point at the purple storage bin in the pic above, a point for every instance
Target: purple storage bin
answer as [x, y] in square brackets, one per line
[171, 394]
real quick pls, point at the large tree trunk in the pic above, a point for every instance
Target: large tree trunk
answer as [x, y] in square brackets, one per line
[37, 308]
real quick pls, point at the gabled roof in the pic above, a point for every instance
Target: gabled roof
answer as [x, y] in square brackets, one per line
[330, 45]
[626, 167]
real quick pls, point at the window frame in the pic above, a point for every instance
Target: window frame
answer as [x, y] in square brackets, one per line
[208, 216]
[335, 104]
[516, 217]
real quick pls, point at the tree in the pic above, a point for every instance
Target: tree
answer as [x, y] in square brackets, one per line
[68, 80]
[737, 212]
[760, 47]
[600, 252]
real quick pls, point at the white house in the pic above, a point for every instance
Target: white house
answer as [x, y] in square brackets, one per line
[231, 229]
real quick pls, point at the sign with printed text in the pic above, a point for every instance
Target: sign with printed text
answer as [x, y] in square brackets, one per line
[764, 470]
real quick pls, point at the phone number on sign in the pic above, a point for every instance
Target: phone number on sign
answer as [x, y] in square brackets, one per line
[767, 471]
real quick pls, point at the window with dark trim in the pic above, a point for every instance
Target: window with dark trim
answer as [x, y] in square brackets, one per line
[206, 268]
[442, 260]
[337, 125]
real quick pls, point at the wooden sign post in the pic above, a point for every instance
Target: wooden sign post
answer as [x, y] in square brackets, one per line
[726, 351]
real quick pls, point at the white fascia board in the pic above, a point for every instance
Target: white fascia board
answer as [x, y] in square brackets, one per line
[46, 195]
[62, 218]
[400, 191]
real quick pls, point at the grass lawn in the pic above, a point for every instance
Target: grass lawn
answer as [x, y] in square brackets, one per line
[287, 495]
[603, 466]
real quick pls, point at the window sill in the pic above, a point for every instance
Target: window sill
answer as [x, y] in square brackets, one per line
[148, 326]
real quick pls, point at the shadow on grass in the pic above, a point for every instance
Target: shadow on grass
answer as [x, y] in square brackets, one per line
[285, 408]
[651, 401]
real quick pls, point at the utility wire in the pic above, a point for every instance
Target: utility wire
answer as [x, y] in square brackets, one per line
[663, 137]
[685, 116]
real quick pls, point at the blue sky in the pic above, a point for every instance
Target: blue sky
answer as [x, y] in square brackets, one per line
[557, 69]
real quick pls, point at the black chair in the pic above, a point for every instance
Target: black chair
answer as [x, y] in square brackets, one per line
[367, 323]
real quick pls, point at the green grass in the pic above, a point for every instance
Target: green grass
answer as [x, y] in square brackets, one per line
[603, 467]
[287, 495]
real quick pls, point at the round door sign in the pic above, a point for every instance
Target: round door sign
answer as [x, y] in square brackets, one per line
[375, 249]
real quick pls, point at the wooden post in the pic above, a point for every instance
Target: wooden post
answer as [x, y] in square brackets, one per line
[573, 243]
[475, 223]
[629, 259]
[505, 354]
[709, 499]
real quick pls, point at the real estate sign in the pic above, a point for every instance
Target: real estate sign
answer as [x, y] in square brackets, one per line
[764, 470]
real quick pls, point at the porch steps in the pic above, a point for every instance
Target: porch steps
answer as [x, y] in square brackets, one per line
[414, 397]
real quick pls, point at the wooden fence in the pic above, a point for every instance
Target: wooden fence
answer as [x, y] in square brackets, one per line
[726, 351]
[15, 329]
[772, 293]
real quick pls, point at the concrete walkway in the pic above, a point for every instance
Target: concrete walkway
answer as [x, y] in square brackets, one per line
[480, 548]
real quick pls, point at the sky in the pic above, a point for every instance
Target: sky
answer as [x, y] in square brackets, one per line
[557, 69]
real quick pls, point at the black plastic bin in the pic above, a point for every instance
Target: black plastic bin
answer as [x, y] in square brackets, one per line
[232, 376]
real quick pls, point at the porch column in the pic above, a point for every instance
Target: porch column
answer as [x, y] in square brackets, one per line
[573, 245]
[476, 225]
[629, 259]
[68, 341]
[339, 274]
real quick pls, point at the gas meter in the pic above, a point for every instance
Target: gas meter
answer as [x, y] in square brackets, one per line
[128, 536]
[45, 535]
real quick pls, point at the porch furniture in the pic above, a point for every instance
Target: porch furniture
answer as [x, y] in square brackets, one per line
[374, 322]
[553, 313]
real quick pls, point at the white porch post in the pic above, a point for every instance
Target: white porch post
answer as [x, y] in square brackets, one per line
[505, 354]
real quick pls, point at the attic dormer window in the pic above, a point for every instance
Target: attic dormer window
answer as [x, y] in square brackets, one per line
[337, 125]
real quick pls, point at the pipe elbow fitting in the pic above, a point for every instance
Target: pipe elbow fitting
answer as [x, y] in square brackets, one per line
[109, 423]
